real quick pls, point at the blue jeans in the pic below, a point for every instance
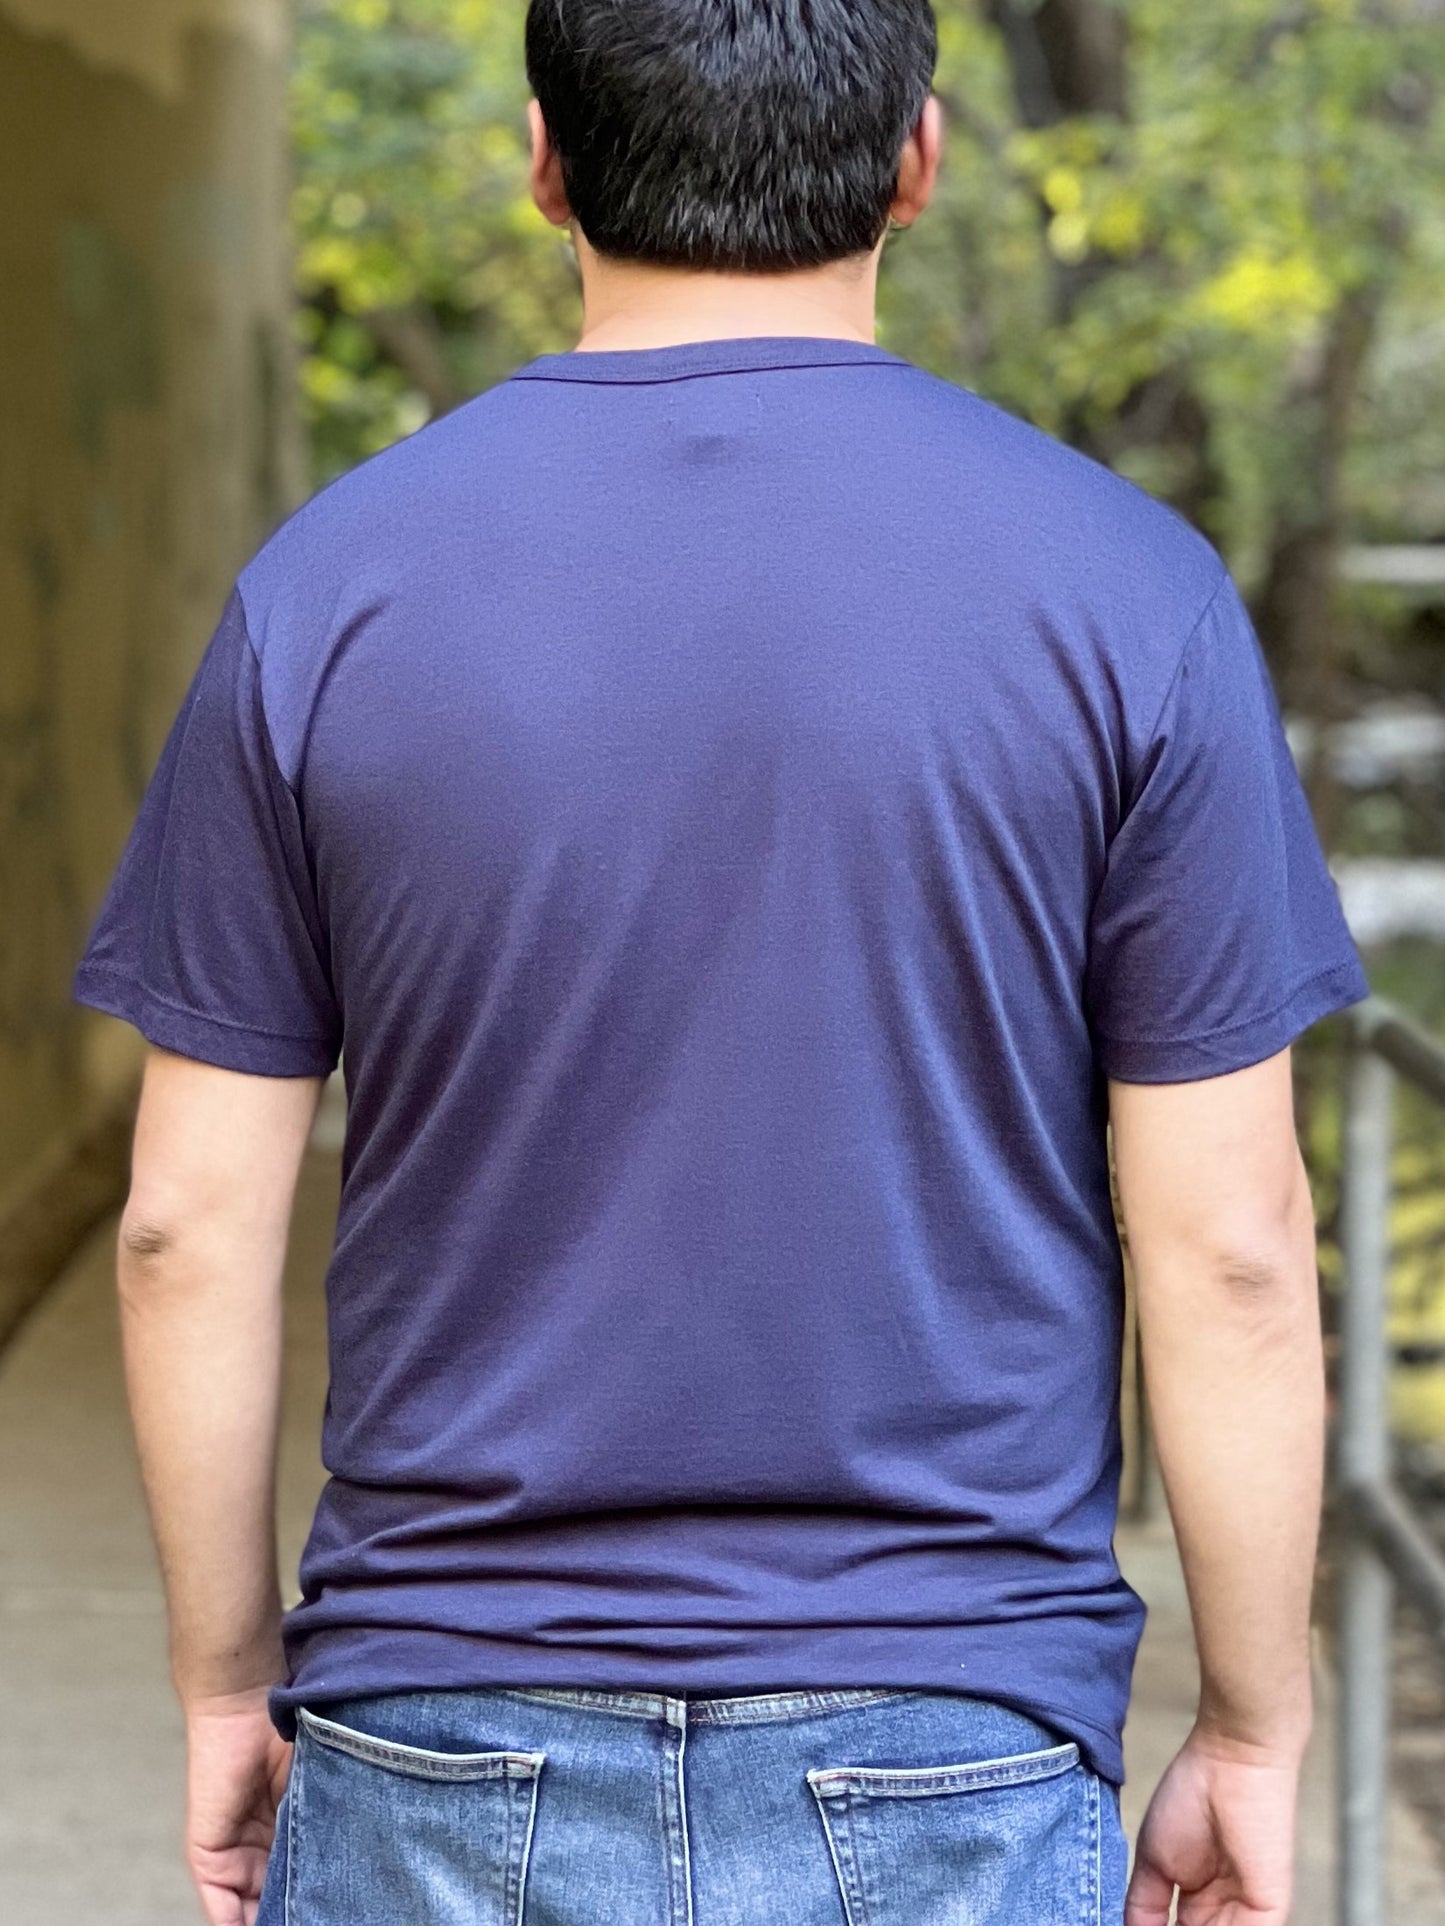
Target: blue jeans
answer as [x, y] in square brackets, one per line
[538, 1806]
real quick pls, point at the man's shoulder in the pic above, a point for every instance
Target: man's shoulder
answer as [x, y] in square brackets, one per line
[378, 538]
[1069, 507]
[1029, 520]
[381, 514]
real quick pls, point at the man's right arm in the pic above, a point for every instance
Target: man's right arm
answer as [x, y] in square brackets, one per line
[1220, 1228]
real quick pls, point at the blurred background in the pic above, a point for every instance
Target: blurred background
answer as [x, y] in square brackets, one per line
[245, 245]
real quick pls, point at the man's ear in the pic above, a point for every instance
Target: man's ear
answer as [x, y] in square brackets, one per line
[546, 175]
[918, 165]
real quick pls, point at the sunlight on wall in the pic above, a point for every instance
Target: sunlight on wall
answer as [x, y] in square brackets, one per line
[145, 300]
[146, 39]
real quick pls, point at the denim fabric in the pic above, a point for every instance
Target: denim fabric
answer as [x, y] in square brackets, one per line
[516, 1806]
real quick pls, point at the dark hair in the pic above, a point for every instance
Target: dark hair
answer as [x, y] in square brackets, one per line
[730, 134]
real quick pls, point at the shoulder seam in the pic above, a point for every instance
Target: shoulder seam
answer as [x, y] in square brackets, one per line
[261, 696]
[1184, 647]
[256, 656]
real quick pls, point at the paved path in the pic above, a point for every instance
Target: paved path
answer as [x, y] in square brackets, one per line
[90, 1773]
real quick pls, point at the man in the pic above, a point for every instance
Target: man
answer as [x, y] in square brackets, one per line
[753, 812]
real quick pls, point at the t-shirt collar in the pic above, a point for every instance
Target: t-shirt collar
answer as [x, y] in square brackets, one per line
[724, 355]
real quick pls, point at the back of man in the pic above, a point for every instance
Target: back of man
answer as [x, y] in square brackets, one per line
[709, 758]
[741, 802]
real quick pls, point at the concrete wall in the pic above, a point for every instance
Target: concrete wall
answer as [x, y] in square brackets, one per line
[147, 445]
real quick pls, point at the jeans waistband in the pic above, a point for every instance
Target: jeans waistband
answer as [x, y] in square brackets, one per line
[738, 1709]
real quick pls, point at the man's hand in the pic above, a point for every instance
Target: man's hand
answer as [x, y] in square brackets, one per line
[236, 1769]
[1221, 1828]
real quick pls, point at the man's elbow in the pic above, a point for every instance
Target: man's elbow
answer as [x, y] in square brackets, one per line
[1266, 1277]
[146, 1237]
[1254, 1255]
[153, 1244]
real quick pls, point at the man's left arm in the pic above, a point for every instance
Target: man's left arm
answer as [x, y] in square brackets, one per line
[200, 1258]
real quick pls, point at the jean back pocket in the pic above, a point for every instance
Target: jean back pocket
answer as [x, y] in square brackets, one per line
[995, 1842]
[382, 1832]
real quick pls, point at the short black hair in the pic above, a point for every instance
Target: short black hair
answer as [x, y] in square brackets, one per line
[731, 134]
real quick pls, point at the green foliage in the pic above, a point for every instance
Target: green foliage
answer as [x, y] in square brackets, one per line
[1275, 158]
[412, 201]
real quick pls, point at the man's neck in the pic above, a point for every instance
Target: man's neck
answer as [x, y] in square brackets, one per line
[627, 305]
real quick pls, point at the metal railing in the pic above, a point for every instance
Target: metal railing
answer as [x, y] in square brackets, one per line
[1387, 1549]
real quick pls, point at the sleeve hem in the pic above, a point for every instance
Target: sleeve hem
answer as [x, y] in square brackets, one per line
[230, 1046]
[1213, 1054]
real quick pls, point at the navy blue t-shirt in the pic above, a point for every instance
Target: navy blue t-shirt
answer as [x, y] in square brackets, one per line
[735, 803]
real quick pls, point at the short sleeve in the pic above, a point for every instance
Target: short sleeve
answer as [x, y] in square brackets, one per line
[209, 939]
[1217, 934]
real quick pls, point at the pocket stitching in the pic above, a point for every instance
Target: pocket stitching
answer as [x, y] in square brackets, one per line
[849, 1877]
[519, 1904]
[293, 1799]
[1024, 1768]
[417, 1761]
[1093, 1871]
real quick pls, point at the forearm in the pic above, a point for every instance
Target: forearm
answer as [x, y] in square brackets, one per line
[201, 1332]
[1234, 1374]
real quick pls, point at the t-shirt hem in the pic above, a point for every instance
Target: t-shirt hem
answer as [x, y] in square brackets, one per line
[228, 1045]
[1183, 1059]
[350, 1663]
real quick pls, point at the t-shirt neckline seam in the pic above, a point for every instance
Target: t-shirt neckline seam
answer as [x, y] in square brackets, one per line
[617, 366]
